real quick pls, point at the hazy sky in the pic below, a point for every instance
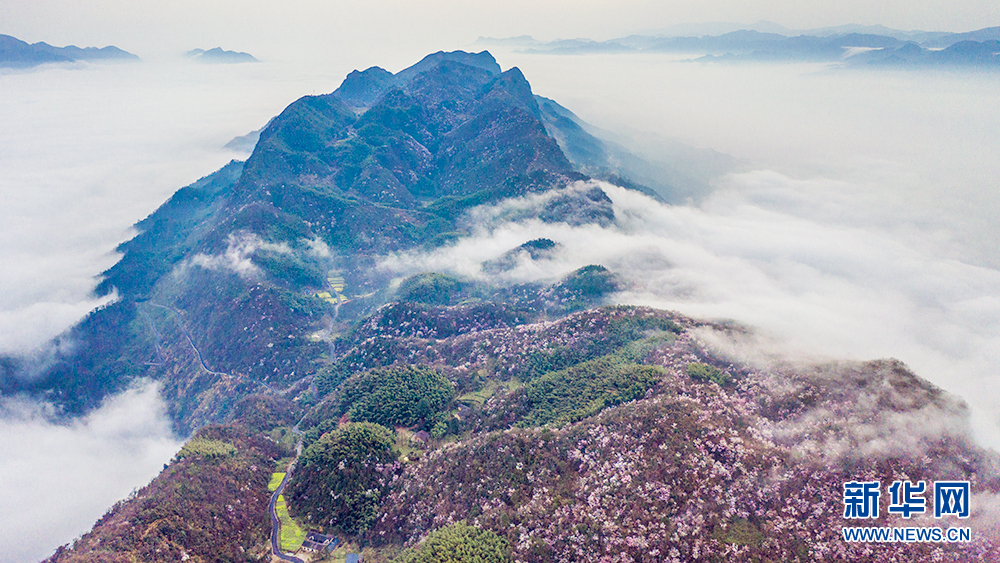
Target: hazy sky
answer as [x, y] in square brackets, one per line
[273, 29]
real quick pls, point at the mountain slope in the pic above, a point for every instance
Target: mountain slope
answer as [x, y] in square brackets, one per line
[748, 465]
[218, 291]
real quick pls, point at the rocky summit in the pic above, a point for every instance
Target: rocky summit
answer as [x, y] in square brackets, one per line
[339, 407]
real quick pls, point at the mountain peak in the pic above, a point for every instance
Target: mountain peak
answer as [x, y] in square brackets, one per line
[362, 88]
[218, 55]
[482, 59]
[512, 88]
[386, 163]
[399, 140]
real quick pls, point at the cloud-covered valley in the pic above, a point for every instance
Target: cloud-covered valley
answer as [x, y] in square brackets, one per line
[59, 478]
[815, 287]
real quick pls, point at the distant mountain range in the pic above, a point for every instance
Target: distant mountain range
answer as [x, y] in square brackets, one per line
[764, 26]
[18, 54]
[849, 45]
[220, 56]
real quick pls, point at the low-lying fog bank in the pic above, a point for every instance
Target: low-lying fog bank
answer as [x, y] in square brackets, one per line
[58, 479]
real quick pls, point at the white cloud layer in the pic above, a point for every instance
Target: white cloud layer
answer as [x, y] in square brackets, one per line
[819, 285]
[237, 258]
[59, 479]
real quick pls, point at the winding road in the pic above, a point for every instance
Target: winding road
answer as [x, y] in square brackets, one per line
[272, 504]
[197, 352]
[275, 521]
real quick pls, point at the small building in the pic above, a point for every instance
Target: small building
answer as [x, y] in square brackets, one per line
[316, 541]
[353, 558]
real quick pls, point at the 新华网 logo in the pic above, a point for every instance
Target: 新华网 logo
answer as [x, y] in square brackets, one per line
[906, 498]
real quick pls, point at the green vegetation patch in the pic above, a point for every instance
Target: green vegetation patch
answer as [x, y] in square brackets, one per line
[276, 479]
[629, 338]
[283, 463]
[206, 449]
[534, 249]
[705, 372]
[459, 543]
[288, 267]
[740, 532]
[628, 329]
[284, 437]
[430, 289]
[554, 358]
[478, 398]
[264, 413]
[584, 288]
[343, 476]
[571, 394]
[593, 281]
[330, 377]
[395, 396]
[292, 535]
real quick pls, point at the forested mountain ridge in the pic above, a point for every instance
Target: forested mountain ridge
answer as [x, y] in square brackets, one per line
[612, 434]
[230, 266]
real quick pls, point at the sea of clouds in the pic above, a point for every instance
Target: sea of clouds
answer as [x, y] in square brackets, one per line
[815, 289]
[859, 226]
[58, 479]
[862, 224]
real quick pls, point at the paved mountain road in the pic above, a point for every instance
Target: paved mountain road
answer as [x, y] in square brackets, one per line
[276, 523]
[201, 359]
[271, 506]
